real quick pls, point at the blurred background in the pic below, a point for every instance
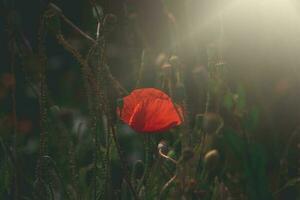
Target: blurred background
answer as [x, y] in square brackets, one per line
[257, 40]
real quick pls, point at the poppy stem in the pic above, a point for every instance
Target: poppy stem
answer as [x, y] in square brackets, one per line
[123, 164]
[147, 162]
[167, 157]
[167, 185]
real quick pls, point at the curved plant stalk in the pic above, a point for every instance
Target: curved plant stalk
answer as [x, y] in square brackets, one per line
[166, 186]
[53, 163]
[41, 168]
[40, 183]
[167, 157]
[70, 23]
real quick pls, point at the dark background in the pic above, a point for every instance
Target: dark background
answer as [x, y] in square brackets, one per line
[260, 45]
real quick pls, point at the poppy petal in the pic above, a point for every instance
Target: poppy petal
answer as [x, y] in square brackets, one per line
[149, 110]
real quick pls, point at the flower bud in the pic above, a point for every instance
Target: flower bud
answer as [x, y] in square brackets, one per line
[211, 159]
[163, 147]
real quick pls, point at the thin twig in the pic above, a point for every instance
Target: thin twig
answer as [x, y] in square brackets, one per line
[70, 23]
[123, 164]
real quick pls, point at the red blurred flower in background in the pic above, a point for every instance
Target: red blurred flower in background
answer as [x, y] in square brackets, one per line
[149, 110]
[8, 80]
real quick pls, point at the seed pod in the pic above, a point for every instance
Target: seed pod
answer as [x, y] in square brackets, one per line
[211, 159]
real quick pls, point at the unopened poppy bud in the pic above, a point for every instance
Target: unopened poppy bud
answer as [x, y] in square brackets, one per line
[211, 122]
[174, 60]
[163, 147]
[211, 159]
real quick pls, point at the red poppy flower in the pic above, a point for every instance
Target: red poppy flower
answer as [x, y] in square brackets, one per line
[149, 110]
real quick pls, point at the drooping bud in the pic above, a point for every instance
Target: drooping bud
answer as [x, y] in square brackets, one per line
[163, 147]
[211, 159]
